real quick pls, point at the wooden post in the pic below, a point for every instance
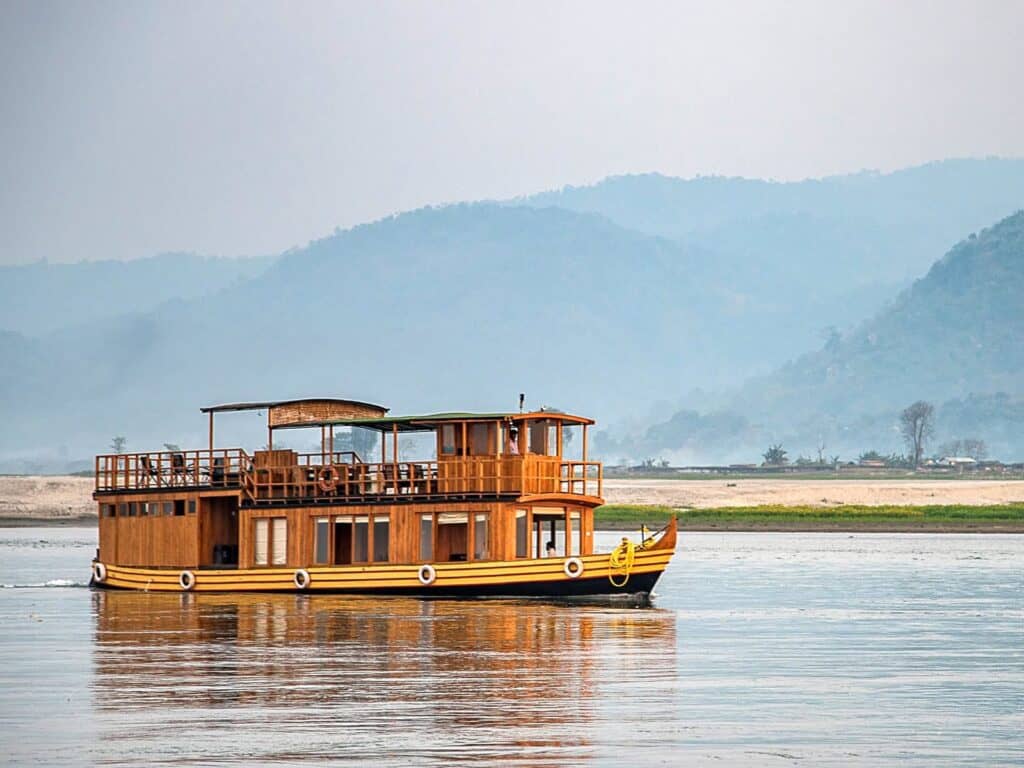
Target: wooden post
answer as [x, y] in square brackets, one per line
[394, 455]
[211, 431]
[331, 436]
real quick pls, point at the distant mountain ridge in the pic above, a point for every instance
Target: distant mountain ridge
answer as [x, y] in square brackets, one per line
[465, 306]
[38, 298]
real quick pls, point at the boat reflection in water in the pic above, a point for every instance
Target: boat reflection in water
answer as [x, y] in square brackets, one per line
[290, 678]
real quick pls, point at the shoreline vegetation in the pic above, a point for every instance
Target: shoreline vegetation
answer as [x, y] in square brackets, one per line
[937, 518]
[940, 518]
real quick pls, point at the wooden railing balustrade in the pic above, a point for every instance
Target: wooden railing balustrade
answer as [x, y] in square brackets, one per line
[278, 476]
[220, 467]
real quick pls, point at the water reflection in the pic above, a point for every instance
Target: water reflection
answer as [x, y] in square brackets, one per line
[310, 677]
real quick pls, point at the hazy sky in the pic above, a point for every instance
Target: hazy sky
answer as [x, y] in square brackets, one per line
[247, 128]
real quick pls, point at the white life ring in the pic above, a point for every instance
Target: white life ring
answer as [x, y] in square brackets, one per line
[426, 574]
[573, 567]
[301, 578]
[187, 580]
[99, 572]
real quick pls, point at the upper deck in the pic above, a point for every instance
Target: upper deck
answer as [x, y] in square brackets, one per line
[474, 456]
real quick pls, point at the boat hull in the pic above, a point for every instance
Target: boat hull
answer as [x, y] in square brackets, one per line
[549, 577]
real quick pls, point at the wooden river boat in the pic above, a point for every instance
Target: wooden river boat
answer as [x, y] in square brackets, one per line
[497, 511]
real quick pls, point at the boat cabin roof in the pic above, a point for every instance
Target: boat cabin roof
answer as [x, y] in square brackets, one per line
[266, 405]
[430, 421]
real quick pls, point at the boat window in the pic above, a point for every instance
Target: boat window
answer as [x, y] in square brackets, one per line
[426, 537]
[479, 439]
[480, 537]
[261, 540]
[125, 510]
[108, 510]
[323, 534]
[448, 439]
[361, 540]
[179, 507]
[452, 536]
[169, 508]
[522, 533]
[192, 506]
[549, 526]
[537, 437]
[381, 533]
[279, 541]
[575, 534]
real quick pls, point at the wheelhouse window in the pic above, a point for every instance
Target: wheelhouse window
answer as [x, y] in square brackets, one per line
[480, 439]
[542, 438]
[447, 439]
[108, 510]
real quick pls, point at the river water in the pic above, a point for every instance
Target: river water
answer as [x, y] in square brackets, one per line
[761, 649]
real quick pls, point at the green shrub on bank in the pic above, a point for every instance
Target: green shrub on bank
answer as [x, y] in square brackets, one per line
[777, 513]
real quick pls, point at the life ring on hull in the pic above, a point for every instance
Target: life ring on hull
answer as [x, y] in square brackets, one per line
[187, 580]
[99, 572]
[573, 567]
[426, 574]
[327, 479]
[301, 578]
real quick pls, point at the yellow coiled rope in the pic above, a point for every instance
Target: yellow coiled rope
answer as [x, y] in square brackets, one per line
[620, 563]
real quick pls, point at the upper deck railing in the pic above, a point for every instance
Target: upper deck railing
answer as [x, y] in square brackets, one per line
[286, 477]
[221, 467]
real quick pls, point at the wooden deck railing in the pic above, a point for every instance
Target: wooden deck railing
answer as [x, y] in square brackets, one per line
[316, 477]
[221, 467]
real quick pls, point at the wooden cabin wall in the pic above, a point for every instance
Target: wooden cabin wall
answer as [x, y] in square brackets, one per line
[156, 541]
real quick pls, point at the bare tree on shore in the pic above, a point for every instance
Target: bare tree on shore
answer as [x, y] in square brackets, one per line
[917, 424]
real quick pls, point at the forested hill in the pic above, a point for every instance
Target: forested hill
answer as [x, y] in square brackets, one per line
[953, 338]
[958, 330]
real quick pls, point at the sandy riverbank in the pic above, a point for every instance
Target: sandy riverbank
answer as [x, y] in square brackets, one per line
[46, 499]
[62, 500]
[708, 494]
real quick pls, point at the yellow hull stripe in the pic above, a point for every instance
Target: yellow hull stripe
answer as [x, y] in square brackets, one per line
[377, 576]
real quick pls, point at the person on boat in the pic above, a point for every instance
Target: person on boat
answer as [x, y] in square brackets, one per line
[549, 550]
[513, 443]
